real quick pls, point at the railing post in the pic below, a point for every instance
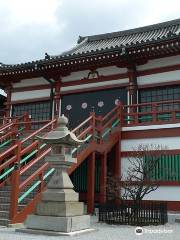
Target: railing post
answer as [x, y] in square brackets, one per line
[27, 121]
[42, 182]
[100, 129]
[15, 127]
[15, 180]
[93, 125]
[120, 113]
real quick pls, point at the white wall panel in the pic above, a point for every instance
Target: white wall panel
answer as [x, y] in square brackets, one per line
[111, 70]
[170, 193]
[169, 142]
[159, 77]
[76, 76]
[30, 82]
[102, 71]
[93, 85]
[160, 62]
[17, 96]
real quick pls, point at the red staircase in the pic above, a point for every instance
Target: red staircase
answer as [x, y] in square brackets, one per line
[24, 173]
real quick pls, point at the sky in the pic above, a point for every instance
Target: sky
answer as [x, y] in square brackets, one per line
[29, 28]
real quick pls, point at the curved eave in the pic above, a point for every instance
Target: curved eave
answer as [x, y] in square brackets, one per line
[172, 44]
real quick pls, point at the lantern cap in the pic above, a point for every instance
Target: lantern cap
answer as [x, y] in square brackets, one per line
[61, 135]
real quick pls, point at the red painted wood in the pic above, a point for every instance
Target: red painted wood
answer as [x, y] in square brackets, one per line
[15, 181]
[91, 183]
[103, 178]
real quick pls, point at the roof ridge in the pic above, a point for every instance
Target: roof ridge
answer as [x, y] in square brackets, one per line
[131, 30]
[71, 50]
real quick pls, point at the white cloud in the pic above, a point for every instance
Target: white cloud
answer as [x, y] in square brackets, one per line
[27, 12]
[29, 28]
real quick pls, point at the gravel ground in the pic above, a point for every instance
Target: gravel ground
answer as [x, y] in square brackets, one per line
[104, 232]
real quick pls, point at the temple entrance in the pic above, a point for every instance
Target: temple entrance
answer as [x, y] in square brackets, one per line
[77, 107]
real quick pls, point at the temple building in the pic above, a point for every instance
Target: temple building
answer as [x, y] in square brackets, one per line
[136, 69]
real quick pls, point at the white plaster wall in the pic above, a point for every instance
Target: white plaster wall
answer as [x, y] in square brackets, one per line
[75, 76]
[163, 193]
[160, 62]
[102, 71]
[93, 85]
[125, 164]
[30, 82]
[159, 77]
[35, 94]
[111, 70]
[169, 142]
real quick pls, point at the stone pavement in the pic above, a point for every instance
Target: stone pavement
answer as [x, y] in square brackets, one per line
[104, 232]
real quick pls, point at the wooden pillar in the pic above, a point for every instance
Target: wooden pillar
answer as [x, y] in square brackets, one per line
[15, 183]
[57, 98]
[91, 183]
[8, 91]
[132, 88]
[117, 163]
[103, 178]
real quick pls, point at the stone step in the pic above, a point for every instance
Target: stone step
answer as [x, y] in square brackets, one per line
[4, 222]
[177, 220]
[4, 214]
[7, 200]
[6, 206]
[5, 188]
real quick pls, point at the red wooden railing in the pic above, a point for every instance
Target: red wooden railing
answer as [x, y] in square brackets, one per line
[13, 128]
[95, 129]
[92, 129]
[151, 113]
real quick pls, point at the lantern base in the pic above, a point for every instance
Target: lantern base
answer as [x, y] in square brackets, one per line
[53, 233]
[58, 224]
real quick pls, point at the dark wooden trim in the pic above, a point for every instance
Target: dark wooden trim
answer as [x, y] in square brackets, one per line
[151, 133]
[31, 100]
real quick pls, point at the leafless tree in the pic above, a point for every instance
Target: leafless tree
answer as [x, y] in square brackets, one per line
[139, 179]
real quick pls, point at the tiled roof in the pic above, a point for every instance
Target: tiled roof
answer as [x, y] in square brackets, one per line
[127, 38]
[102, 43]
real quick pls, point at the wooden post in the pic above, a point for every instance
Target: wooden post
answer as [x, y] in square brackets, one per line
[100, 130]
[93, 123]
[27, 121]
[103, 178]
[57, 98]
[15, 183]
[8, 91]
[91, 183]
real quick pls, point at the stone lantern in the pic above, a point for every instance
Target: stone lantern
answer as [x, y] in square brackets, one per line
[59, 210]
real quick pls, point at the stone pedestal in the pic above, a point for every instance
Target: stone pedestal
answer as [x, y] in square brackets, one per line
[59, 209]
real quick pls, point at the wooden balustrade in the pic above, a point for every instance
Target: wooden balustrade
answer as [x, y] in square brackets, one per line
[151, 113]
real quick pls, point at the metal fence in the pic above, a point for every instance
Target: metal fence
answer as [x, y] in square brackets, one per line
[138, 214]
